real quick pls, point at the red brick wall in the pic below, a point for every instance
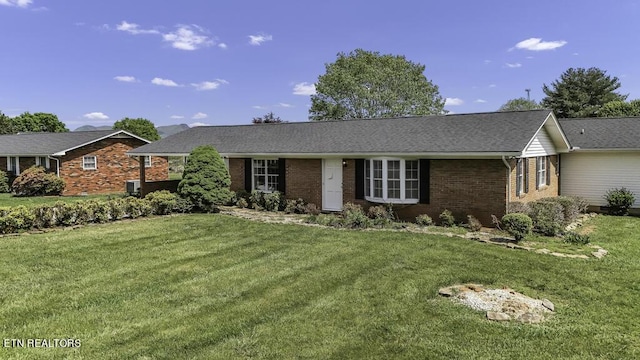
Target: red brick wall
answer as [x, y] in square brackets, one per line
[236, 171]
[549, 190]
[114, 168]
[304, 180]
[466, 187]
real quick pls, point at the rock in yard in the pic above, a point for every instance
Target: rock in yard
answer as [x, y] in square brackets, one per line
[600, 253]
[446, 292]
[497, 316]
[530, 318]
[548, 304]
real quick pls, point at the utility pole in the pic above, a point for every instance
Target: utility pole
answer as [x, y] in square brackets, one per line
[528, 91]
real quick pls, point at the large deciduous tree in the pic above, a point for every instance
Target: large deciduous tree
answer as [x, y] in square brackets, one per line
[520, 104]
[621, 109]
[269, 118]
[581, 93]
[140, 127]
[364, 84]
[37, 122]
[6, 125]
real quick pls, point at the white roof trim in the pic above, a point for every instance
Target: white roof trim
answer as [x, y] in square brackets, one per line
[434, 155]
[64, 152]
[553, 131]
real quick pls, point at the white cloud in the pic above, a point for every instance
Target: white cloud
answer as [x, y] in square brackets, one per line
[18, 3]
[209, 85]
[197, 123]
[259, 107]
[222, 46]
[200, 116]
[536, 44]
[285, 105]
[129, 79]
[453, 102]
[491, 86]
[188, 37]
[164, 82]
[304, 88]
[513, 66]
[177, 117]
[486, 62]
[134, 29]
[480, 101]
[96, 116]
[259, 39]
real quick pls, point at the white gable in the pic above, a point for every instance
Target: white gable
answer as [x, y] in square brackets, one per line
[541, 145]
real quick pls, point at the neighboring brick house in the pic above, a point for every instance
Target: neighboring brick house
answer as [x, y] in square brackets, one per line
[471, 164]
[605, 155]
[90, 162]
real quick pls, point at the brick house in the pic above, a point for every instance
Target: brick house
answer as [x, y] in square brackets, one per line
[468, 163]
[90, 162]
[605, 155]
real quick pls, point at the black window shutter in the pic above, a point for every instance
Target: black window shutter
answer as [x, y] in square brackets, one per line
[547, 159]
[425, 179]
[360, 178]
[519, 166]
[247, 174]
[537, 175]
[525, 176]
[282, 175]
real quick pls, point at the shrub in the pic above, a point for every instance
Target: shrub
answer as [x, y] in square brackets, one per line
[205, 180]
[242, 194]
[273, 201]
[354, 217]
[36, 182]
[162, 202]
[381, 215]
[424, 220]
[45, 216]
[66, 213]
[581, 203]
[517, 207]
[326, 220]
[619, 200]
[135, 207]
[446, 218]
[312, 209]
[547, 217]
[297, 206]
[570, 209]
[474, 223]
[16, 219]
[518, 225]
[100, 209]
[242, 203]
[256, 200]
[182, 205]
[575, 238]
[4, 182]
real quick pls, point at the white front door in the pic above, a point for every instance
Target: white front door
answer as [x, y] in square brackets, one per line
[332, 184]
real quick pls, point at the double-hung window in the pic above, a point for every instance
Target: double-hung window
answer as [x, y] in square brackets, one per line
[42, 161]
[147, 161]
[265, 174]
[89, 163]
[391, 180]
[542, 167]
[522, 177]
[13, 165]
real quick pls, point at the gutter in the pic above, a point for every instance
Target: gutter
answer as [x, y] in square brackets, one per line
[506, 163]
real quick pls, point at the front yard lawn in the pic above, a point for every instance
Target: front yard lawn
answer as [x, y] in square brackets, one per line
[219, 287]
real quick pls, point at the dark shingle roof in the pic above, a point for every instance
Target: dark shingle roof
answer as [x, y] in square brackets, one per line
[48, 143]
[603, 133]
[458, 133]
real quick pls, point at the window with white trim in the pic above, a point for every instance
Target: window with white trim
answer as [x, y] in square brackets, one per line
[542, 170]
[147, 161]
[13, 166]
[89, 163]
[42, 161]
[391, 180]
[265, 175]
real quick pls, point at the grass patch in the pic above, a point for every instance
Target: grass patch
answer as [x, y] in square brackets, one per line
[6, 200]
[219, 287]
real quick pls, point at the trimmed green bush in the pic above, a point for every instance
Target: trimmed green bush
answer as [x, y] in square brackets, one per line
[519, 207]
[35, 181]
[117, 208]
[273, 201]
[45, 216]
[135, 207]
[182, 206]
[162, 202]
[16, 219]
[4, 182]
[547, 216]
[256, 200]
[312, 209]
[354, 217]
[581, 203]
[473, 223]
[619, 201]
[424, 220]
[205, 180]
[297, 206]
[570, 210]
[518, 225]
[381, 215]
[575, 238]
[447, 219]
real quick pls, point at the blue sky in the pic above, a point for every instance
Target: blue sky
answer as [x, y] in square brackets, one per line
[225, 62]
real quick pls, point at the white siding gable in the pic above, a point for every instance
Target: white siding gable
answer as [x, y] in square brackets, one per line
[591, 174]
[541, 145]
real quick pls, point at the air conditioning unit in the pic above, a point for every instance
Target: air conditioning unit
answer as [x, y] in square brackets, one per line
[133, 186]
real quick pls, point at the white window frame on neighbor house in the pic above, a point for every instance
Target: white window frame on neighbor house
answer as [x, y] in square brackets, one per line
[388, 180]
[260, 170]
[89, 165]
[147, 161]
[13, 165]
[542, 170]
[39, 160]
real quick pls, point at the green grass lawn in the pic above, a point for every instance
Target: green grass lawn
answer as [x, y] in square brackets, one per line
[6, 200]
[219, 287]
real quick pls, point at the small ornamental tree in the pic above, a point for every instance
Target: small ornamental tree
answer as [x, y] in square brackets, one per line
[35, 181]
[205, 180]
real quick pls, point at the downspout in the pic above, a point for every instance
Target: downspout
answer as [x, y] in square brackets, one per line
[506, 163]
[57, 164]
